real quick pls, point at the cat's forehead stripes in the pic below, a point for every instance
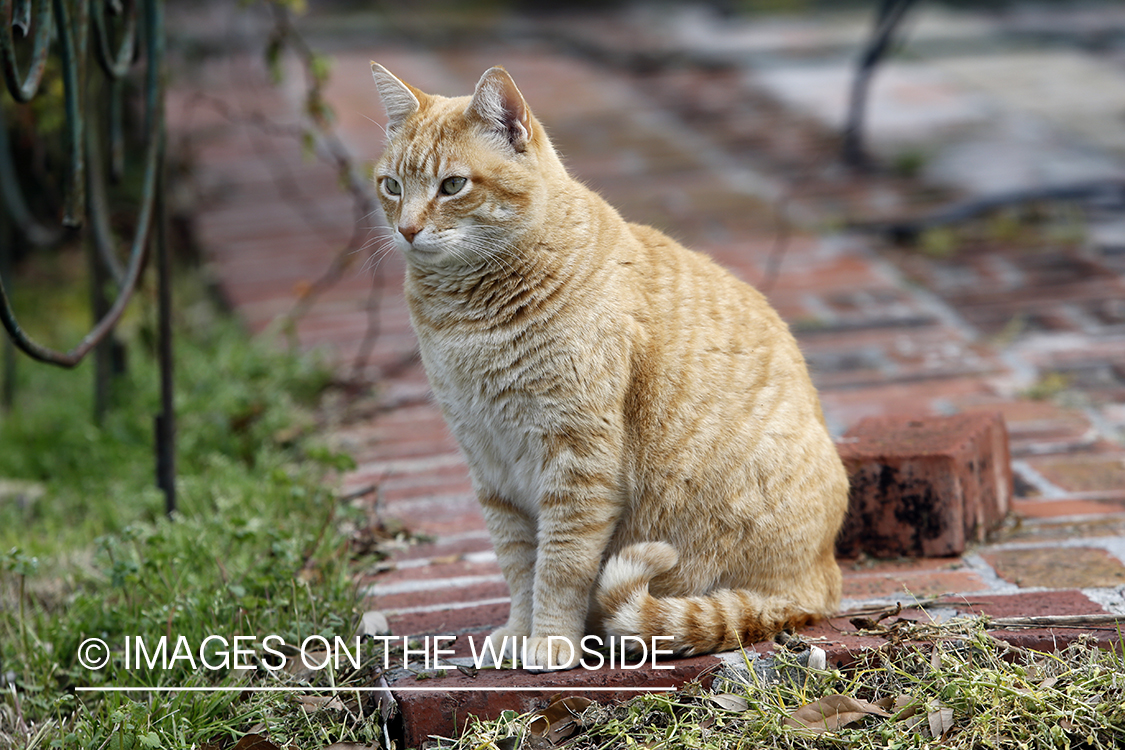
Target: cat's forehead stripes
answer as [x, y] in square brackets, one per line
[431, 147]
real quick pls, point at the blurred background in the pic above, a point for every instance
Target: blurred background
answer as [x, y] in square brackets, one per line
[931, 193]
[726, 125]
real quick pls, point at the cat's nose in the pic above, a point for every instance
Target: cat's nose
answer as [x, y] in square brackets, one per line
[409, 232]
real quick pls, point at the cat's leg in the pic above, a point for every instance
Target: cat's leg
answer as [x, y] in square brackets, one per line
[575, 528]
[513, 537]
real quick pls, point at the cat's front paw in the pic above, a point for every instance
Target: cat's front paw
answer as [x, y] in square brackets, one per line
[550, 654]
[502, 645]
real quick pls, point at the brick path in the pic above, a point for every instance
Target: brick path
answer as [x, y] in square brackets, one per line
[885, 331]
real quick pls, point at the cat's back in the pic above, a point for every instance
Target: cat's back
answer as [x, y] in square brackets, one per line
[716, 368]
[687, 297]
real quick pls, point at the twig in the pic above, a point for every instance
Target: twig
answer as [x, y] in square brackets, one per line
[906, 230]
[1093, 622]
[782, 234]
[887, 19]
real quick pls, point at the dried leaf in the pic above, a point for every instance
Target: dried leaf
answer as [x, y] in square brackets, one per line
[313, 703]
[864, 623]
[887, 703]
[374, 622]
[913, 722]
[254, 742]
[388, 707]
[538, 725]
[349, 746]
[559, 720]
[941, 721]
[832, 712]
[904, 706]
[729, 702]
[508, 743]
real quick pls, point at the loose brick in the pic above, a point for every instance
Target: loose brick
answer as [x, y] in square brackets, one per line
[924, 486]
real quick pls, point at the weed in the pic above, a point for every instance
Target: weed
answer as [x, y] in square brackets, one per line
[954, 686]
[254, 549]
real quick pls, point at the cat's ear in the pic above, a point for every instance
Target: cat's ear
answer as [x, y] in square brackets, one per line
[500, 105]
[399, 99]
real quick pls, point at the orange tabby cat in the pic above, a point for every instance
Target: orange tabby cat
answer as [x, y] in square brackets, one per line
[641, 430]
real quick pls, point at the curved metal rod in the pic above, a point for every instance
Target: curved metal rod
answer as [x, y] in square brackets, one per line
[23, 91]
[35, 232]
[153, 164]
[888, 18]
[115, 65]
[133, 273]
[72, 49]
[100, 233]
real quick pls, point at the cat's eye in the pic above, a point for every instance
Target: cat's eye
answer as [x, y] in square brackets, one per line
[392, 186]
[452, 185]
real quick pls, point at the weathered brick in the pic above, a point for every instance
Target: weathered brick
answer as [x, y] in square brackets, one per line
[952, 578]
[456, 698]
[924, 486]
[1056, 567]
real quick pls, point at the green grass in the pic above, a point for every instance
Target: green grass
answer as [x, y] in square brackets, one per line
[979, 692]
[256, 546]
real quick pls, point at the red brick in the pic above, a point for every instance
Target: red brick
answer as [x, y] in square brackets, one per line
[1057, 567]
[483, 617]
[464, 544]
[919, 584]
[1084, 473]
[444, 712]
[451, 592]
[1065, 508]
[450, 567]
[924, 486]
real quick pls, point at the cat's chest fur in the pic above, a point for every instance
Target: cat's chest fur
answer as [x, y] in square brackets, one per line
[507, 391]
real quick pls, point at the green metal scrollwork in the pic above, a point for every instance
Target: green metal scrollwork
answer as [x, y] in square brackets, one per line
[74, 26]
[72, 23]
[24, 90]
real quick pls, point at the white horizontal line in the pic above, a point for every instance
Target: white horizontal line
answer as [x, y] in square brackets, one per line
[483, 556]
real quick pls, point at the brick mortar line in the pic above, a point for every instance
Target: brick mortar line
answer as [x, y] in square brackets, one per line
[1114, 545]
[1029, 474]
[988, 575]
[418, 585]
[483, 556]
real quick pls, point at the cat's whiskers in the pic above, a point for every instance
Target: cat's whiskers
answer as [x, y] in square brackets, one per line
[373, 238]
[494, 248]
[386, 246]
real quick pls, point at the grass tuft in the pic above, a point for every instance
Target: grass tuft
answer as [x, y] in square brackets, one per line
[256, 548]
[958, 687]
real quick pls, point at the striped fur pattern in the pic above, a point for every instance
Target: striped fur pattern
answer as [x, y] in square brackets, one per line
[640, 427]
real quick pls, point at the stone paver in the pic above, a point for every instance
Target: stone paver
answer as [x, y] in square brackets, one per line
[886, 332]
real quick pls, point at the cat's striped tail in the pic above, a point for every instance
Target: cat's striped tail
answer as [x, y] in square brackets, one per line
[720, 621]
